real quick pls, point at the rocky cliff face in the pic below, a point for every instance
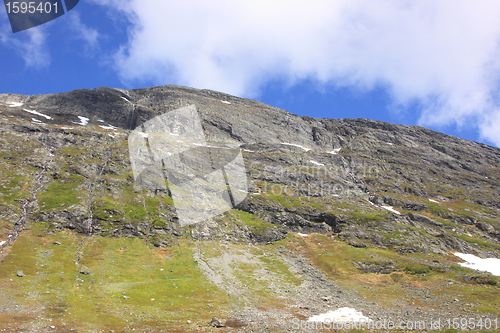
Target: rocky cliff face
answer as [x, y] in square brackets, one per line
[314, 175]
[65, 163]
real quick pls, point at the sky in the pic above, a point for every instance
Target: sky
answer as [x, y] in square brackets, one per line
[430, 63]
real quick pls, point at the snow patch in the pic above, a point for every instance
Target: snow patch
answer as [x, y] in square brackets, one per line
[144, 135]
[341, 315]
[226, 102]
[491, 265]
[108, 127]
[111, 135]
[316, 163]
[208, 146]
[100, 120]
[67, 127]
[37, 121]
[38, 113]
[83, 121]
[14, 104]
[295, 145]
[372, 203]
[126, 99]
[391, 209]
[2, 242]
[301, 234]
[250, 151]
[335, 151]
[433, 201]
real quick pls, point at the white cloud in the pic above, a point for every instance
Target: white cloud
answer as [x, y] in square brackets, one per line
[443, 55]
[29, 45]
[32, 46]
[89, 35]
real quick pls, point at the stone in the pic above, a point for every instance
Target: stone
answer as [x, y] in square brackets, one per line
[485, 227]
[215, 322]
[84, 270]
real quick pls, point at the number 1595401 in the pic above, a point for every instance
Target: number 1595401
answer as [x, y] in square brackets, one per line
[31, 7]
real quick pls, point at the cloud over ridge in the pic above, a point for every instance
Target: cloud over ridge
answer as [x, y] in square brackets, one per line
[443, 55]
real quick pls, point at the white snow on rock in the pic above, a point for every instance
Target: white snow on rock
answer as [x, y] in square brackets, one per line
[316, 163]
[391, 209]
[301, 234]
[14, 104]
[2, 242]
[126, 99]
[295, 145]
[110, 127]
[335, 151]
[83, 121]
[372, 203]
[38, 113]
[100, 120]
[67, 127]
[144, 135]
[341, 315]
[226, 102]
[491, 265]
[37, 121]
[111, 135]
[209, 146]
[433, 201]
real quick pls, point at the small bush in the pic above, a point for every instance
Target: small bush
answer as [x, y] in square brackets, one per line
[416, 269]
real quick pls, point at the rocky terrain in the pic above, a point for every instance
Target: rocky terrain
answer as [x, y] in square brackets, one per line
[340, 212]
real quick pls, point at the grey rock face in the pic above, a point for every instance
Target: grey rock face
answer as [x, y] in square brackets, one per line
[370, 182]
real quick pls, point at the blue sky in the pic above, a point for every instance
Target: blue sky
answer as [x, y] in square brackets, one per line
[429, 63]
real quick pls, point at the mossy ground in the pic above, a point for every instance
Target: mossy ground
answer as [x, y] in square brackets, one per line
[336, 259]
[164, 287]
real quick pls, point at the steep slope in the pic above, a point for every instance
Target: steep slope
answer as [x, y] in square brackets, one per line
[395, 200]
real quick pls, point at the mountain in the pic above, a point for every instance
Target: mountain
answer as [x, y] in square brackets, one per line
[339, 213]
